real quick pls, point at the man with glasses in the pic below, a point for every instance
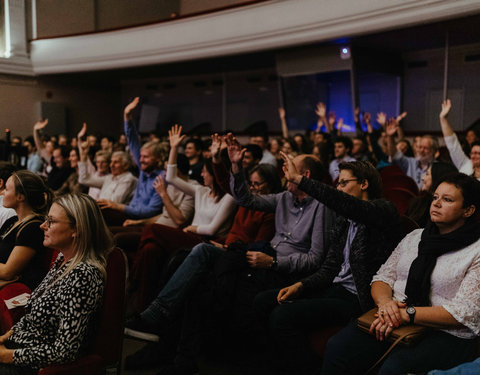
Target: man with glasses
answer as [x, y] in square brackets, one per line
[365, 233]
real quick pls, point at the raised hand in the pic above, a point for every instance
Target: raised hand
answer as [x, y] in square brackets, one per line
[367, 117]
[281, 113]
[340, 124]
[446, 107]
[175, 136]
[216, 147]
[40, 124]
[382, 118]
[391, 128]
[235, 150]
[401, 116]
[289, 169]
[321, 110]
[82, 131]
[159, 186]
[130, 107]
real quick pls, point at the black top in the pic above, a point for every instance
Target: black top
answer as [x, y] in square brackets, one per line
[195, 172]
[58, 176]
[29, 235]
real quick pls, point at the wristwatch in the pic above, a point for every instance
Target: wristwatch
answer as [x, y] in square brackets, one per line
[411, 313]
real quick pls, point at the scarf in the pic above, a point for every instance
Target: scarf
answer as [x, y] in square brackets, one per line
[431, 246]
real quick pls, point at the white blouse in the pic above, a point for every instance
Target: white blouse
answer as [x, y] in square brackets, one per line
[455, 281]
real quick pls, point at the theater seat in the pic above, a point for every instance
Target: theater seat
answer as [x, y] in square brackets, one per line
[107, 350]
[400, 197]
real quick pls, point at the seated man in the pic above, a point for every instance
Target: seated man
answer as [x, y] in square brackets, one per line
[298, 247]
[342, 150]
[61, 168]
[413, 167]
[145, 202]
[117, 186]
[193, 151]
[261, 140]
[365, 233]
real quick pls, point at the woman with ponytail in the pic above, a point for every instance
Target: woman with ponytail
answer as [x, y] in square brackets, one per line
[22, 253]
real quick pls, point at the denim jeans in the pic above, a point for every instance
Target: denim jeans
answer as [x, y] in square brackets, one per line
[199, 261]
[470, 368]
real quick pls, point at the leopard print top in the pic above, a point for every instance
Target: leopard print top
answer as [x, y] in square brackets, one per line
[59, 316]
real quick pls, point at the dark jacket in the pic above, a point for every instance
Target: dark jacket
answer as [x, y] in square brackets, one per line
[377, 236]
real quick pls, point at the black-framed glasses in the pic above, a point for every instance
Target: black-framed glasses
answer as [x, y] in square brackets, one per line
[50, 220]
[344, 183]
[256, 184]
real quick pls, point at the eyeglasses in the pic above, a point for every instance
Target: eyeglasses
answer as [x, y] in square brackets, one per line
[50, 220]
[344, 183]
[256, 184]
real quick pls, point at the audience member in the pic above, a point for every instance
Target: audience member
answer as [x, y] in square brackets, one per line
[22, 255]
[71, 184]
[425, 155]
[343, 147]
[6, 170]
[193, 151]
[430, 279]
[469, 166]
[213, 211]
[60, 314]
[145, 202]
[261, 140]
[34, 161]
[365, 233]
[419, 207]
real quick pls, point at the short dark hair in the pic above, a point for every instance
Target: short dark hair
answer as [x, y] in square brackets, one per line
[269, 174]
[476, 143]
[365, 171]
[255, 150]
[183, 164]
[439, 171]
[64, 151]
[6, 170]
[469, 186]
[347, 142]
[197, 143]
[314, 165]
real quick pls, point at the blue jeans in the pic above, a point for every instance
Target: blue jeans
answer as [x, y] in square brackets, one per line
[199, 261]
[470, 368]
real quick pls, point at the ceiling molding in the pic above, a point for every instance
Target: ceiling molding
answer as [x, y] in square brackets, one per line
[270, 25]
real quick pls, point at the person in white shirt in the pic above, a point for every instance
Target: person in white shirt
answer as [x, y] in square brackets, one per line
[6, 170]
[469, 166]
[118, 186]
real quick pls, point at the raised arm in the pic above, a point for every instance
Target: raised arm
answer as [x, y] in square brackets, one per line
[283, 122]
[131, 131]
[446, 128]
[375, 214]
[38, 142]
[238, 184]
[173, 211]
[175, 137]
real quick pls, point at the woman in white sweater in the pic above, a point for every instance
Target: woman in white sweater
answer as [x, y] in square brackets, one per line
[212, 219]
[431, 279]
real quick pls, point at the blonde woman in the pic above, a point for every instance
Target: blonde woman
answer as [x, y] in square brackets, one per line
[61, 310]
[22, 254]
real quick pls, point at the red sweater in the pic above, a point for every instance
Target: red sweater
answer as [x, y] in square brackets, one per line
[251, 226]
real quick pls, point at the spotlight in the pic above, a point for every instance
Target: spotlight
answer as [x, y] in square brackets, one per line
[345, 53]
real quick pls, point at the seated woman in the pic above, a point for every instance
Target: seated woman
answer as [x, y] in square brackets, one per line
[22, 254]
[419, 207]
[213, 210]
[430, 279]
[60, 312]
[71, 184]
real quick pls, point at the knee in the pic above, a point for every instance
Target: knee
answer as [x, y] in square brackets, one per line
[204, 252]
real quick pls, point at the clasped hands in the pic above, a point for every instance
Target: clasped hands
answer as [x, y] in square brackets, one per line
[391, 314]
